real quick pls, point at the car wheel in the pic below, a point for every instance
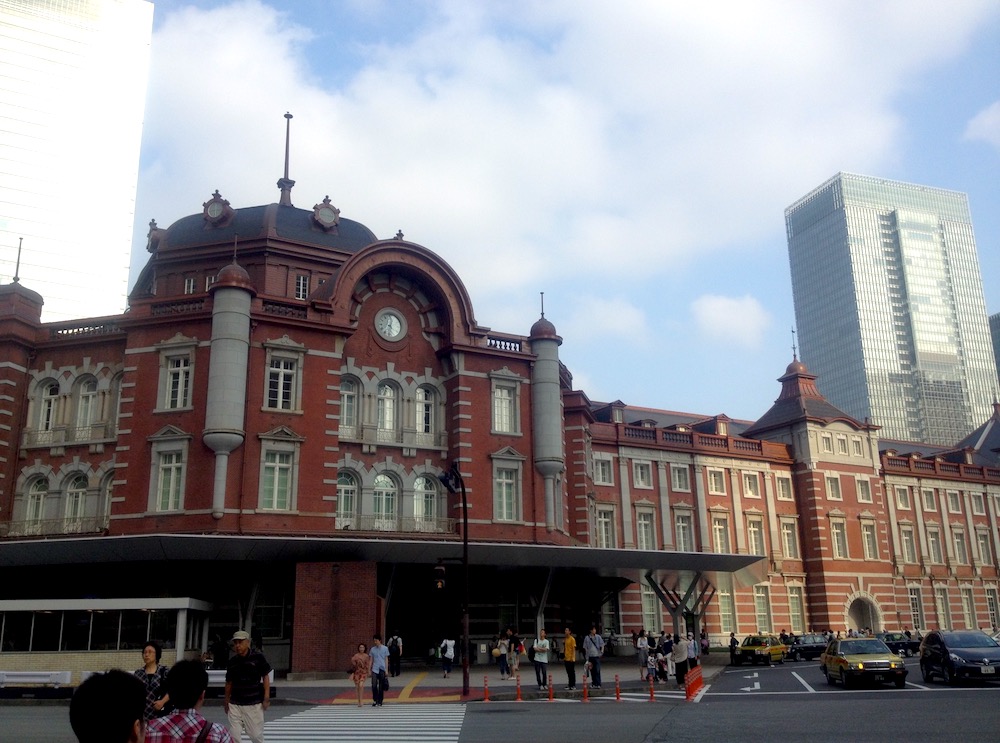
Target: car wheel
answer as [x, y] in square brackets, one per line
[829, 678]
[781, 658]
[909, 652]
[947, 677]
[846, 680]
[925, 672]
[901, 683]
[795, 656]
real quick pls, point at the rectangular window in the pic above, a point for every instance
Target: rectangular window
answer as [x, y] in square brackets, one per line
[603, 473]
[784, 485]
[961, 551]
[652, 616]
[870, 540]
[281, 384]
[908, 544]
[716, 482]
[864, 491]
[993, 607]
[833, 488]
[605, 528]
[277, 481]
[720, 534]
[680, 477]
[985, 553]
[978, 504]
[762, 607]
[826, 442]
[189, 286]
[755, 536]
[727, 612]
[942, 607]
[838, 536]
[178, 392]
[916, 608]
[645, 532]
[842, 445]
[796, 609]
[968, 609]
[934, 546]
[504, 409]
[751, 485]
[858, 447]
[506, 505]
[209, 280]
[642, 475]
[683, 533]
[930, 500]
[954, 502]
[301, 287]
[168, 492]
[903, 498]
[790, 539]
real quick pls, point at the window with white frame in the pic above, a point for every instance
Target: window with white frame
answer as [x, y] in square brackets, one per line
[797, 609]
[506, 405]
[209, 280]
[425, 503]
[642, 475]
[978, 504]
[790, 539]
[727, 612]
[762, 607]
[348, 408]
[425, 401]
[189, 285]
[282, 384]
[908, 544]
[985, 551]
[506, 492]
[683, 532]
[838, 538]
[929, 498]
[968, 608]
[934, 545]
[47, 406]
[603, 471]
[864, 491]
[961, 550]
[76, 503]
[755, 536]
[387, 412]
[652, 612]
[605, 527]
[842, 445]
[833, 488]
[385, 502]
[720, 534]
[716, 482]
[993, 607]
[645, 530]
[943, 607]
[34, 505]
[869, 540]
[276, 480]
[170, 480]
[177, 391]
[916, 607]
[954, 502]
[902, 497]
[347, 499]
[302, 286]
[857, 446]
[784, 488]
[86, 404]
[751, 485]
[826, 443]
[680, 478]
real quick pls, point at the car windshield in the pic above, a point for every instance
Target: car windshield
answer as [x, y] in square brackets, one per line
[892, 636]
[755, 641]
[812, 639]
[863, 647]
[969, 640]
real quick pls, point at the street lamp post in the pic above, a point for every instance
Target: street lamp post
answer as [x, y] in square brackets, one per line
[452, 480]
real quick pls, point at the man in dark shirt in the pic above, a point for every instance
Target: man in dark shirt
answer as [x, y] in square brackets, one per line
[248, 689]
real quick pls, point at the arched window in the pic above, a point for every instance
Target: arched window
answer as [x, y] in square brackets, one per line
[348, 409]
[384, 503]
[347, 500]
[388, 410]
[47, 408]
[76, 504]
[34, 506]
[86, 406]
[426, 401]
[425, 504]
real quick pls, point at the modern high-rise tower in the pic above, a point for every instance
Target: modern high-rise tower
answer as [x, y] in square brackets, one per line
[73, 79]
[889, 305]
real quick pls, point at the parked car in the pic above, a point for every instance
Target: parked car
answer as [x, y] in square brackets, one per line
[856, 659]
[899, 643]
[807, 647]
[958, 654]
[761, 649]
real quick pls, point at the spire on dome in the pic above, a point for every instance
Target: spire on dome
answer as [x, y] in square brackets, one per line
[285, 183]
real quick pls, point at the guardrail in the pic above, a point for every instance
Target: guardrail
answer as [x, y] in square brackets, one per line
[35, 678]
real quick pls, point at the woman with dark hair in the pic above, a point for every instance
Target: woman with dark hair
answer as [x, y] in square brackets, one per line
[154, 676]
[361, 667]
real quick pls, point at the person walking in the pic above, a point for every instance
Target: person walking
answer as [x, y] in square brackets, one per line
[569, 659]
[186, 684]
[379, 667]
[503, 648]
[679, 654]
[516, 647]
[541, 660]
[361, 668]
[447, 656]
[248, 689]
[694, 649]
[154, 676]
[642, 651]
[734, 646]
[395, 645]
[593, 649]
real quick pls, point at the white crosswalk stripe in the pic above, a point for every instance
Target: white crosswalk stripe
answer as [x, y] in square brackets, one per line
[420, 723]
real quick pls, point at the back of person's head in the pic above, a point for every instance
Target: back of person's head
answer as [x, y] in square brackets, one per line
[108, 708]
[186, 682]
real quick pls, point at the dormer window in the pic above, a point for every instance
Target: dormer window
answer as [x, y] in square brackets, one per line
[326, 216]
[217, 211]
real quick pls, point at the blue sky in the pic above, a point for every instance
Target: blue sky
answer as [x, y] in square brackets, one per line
[631, 160]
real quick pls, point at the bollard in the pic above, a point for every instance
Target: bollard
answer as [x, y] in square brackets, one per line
[518, 687]
[551, 694]
[586, 687]
[486, 688]
[695, 681]
[618, 689]
[652, 691]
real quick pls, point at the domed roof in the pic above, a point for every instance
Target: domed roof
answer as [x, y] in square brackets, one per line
[234, 275]
[543, 329]
[271, 221]
[796, 367]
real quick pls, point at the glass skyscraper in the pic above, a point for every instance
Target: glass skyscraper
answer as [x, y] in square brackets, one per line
[889, 305]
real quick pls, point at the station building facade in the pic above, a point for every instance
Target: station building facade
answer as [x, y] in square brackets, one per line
[258, 441]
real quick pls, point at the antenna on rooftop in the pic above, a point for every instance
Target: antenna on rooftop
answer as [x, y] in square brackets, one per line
[17, 267]
[795, 351]
[286, 183]
[543, 302]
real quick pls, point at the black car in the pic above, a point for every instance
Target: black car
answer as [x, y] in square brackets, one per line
[958, 654]
[899, 643]
[806, 647]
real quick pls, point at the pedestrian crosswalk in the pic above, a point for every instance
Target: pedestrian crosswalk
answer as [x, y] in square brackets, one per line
[420, 723]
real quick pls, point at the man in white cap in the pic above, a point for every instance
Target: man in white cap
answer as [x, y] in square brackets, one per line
[248, 689]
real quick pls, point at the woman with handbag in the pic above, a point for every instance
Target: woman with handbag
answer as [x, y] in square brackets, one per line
[361, 666]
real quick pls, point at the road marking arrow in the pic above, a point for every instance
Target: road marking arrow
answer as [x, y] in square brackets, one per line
[755, 687]
[755, 674]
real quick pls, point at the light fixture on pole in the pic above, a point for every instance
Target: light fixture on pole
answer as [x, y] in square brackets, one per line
[452, 480]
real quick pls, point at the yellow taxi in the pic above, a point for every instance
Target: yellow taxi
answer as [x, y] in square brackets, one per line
[855, 659]
[761, 648]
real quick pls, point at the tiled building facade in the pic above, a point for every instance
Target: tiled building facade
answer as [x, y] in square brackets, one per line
[259, 440]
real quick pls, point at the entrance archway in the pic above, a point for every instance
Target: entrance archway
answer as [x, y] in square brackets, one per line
[863, 613]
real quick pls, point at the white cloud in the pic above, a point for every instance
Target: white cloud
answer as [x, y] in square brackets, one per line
[741, 321]
[985, 126]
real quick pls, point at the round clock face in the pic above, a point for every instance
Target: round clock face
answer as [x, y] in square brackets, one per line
[326, 215]
[214, 209]
[389, 325]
